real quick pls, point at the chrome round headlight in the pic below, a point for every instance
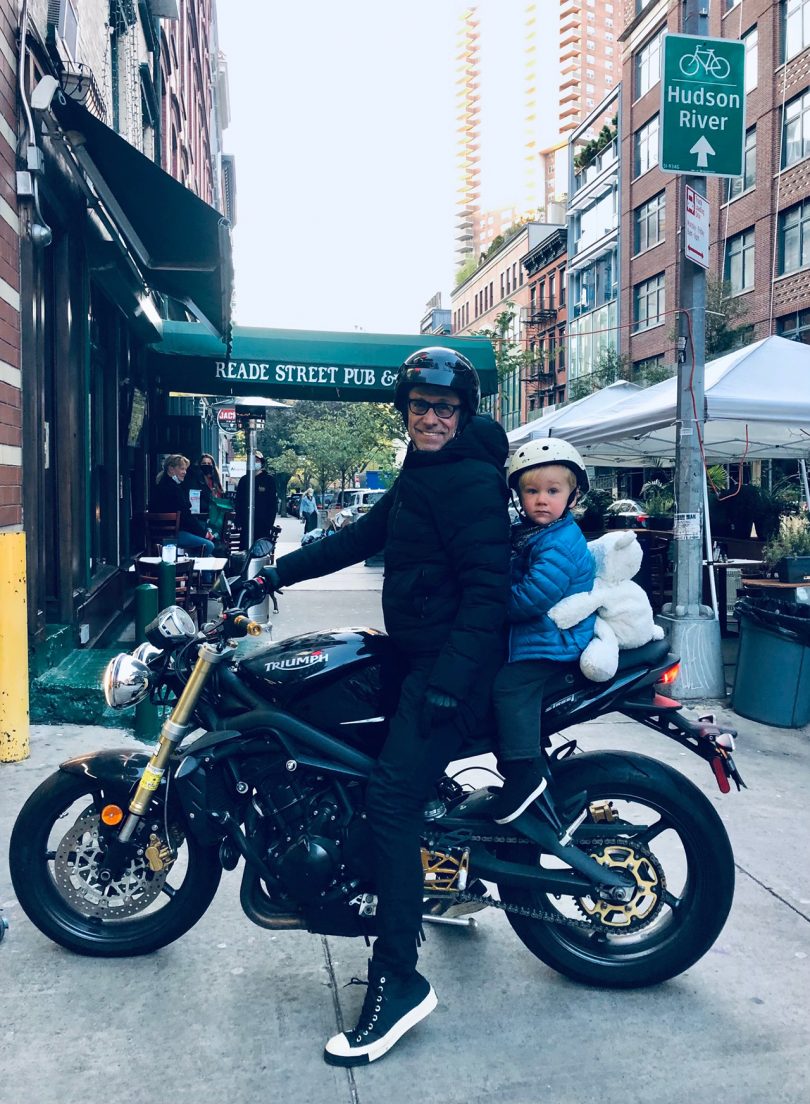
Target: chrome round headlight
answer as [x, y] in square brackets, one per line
[146, 652]
[125, 681]
[171, 625]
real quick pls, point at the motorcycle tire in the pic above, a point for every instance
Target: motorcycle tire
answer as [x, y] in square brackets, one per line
[51, 866]
[682, 862]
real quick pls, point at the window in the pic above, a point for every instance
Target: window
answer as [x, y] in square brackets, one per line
[794, 238]
[561, 356]
[645, 147]
[551, 282]
[795, 17]
[648, 223]
[589, 101]
[729, 4]
[795, 327]
[647, 65]
[589, 88]
[608, 51]
[751, 41]
[648, 303]
[561, 272]
[591, 45]
[736, 185]
[740, 261]
[796, 130]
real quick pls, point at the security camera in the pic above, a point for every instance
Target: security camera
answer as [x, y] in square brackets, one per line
[41, 236]
[44, 93]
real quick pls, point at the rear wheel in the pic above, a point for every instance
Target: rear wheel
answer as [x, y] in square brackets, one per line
[656, 826]
[56, 847]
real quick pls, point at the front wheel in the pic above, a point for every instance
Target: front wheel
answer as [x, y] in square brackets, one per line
[56, 847]
[648, 820]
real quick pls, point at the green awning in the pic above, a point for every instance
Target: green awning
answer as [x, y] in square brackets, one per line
[182, 244]
[299, 364]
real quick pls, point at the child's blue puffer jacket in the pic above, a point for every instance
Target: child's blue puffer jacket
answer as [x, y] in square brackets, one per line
[548, 564]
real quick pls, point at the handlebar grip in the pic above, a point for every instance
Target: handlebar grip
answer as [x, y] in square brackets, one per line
[250, 628]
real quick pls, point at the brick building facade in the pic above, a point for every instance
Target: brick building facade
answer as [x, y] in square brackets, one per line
[760, 223]
[543, 325]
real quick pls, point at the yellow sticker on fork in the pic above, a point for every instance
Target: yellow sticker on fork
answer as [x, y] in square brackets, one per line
[150, 779]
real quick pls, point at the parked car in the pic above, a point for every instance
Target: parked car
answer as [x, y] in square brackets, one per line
[626, 513]
[356, 501]
[293, 502]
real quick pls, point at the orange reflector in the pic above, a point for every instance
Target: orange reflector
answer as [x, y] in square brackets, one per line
[670, 674]
[112, 814]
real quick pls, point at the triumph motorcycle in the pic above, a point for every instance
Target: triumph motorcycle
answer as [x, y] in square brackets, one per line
[263, 759]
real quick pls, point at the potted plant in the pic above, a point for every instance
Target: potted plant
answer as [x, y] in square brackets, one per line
[789, 552]
[590, 510]
[659, 502]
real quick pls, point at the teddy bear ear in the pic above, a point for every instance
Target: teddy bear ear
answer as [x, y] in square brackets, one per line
[625, 538]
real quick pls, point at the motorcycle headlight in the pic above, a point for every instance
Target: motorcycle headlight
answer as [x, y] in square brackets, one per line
[172, 624]
[125, 681]
[146, 652]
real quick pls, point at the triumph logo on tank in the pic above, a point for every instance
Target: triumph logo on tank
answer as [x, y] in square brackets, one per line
[295, 663]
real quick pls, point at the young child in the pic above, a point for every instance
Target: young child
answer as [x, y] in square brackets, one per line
[550, 560]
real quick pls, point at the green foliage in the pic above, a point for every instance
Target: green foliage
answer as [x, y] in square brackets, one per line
[793, 539]
[594, 504]
[509, 357]
[722, 310]
[465, 271]
[658, 498]
[610, 367]
[593, 148]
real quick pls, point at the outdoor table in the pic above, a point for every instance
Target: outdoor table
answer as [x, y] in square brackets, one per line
[721, 569]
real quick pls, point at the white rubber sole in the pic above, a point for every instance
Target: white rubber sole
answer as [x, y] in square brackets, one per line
[533, 796]
[339, 1052]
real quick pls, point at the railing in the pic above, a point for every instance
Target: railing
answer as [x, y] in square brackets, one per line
[539, 314]
[606, 157]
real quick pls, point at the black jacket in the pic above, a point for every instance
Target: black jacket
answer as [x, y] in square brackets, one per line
[265, 504]
[169, 497]
[444, 529]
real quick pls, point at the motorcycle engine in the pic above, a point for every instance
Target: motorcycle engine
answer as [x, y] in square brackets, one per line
[305, 853]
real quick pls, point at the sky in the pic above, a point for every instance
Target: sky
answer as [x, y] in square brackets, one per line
[343, 127]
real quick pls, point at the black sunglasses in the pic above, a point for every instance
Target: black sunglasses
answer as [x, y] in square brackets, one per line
[443, 410]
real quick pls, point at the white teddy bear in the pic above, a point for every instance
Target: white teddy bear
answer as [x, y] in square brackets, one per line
[624, 615]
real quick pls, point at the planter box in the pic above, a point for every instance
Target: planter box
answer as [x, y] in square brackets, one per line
[794, 569]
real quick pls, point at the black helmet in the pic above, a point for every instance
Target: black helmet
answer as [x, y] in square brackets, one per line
[437, 367]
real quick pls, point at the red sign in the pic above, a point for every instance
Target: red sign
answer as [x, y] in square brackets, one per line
[226, 419]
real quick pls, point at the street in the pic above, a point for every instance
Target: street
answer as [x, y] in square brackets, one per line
[232, 1012]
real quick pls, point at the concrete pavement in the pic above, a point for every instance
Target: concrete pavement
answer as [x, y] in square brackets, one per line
[231, 1012]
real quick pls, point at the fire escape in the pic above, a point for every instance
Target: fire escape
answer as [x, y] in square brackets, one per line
[539, 321]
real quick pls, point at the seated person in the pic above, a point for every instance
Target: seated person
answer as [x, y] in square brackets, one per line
[170, 496]
[550, 559]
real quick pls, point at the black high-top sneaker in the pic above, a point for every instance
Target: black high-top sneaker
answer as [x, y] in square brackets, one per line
[392, 1007]
[524, 781]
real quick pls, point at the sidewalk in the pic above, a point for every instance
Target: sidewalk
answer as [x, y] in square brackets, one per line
[234, 1013]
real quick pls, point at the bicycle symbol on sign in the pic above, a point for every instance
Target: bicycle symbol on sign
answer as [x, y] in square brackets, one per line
[704, 58]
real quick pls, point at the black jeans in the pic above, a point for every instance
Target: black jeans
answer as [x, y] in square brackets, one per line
[413, 758]
[518, 699]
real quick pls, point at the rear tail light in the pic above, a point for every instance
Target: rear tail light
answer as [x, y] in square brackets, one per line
[669, 676]
[641, 518]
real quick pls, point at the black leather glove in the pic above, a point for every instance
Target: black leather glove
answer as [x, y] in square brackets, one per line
[272, 578]
[438, 709]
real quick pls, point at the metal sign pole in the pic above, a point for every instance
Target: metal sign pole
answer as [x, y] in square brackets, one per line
[692, 628]
[251, 478]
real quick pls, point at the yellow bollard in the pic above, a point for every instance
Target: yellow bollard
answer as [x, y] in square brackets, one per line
[13, 650]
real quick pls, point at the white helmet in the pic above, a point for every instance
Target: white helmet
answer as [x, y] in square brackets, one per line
[547, 450]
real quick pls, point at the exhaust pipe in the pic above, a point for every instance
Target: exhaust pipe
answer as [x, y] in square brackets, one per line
[259, 908]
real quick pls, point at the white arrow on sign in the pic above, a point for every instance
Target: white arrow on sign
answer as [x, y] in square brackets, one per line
[702, 148]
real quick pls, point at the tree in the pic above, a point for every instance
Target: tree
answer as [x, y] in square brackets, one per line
[342, 442]
[610, 366]
[465, 271]
[722, 310]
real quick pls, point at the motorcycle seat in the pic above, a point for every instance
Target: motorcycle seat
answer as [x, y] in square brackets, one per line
[648, 655]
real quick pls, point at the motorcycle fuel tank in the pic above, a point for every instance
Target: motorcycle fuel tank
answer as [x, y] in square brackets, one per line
[344, 682]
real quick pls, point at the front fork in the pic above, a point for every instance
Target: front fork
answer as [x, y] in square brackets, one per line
[174, 729]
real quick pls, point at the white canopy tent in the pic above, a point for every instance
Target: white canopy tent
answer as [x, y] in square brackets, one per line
[757, 406]
[588, 409]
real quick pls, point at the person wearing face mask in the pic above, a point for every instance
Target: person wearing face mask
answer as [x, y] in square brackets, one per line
[308, 510]
[265, 506]
[444, 530]
[170, 496]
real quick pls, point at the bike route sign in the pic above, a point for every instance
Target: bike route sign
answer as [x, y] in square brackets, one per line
[702, 106]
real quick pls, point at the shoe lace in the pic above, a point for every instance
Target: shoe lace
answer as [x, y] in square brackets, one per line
[371, 1006]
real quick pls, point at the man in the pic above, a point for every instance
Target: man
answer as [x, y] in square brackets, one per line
[265, 502]
[444, 530]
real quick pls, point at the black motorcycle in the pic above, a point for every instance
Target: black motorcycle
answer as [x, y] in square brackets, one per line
[264, 758]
